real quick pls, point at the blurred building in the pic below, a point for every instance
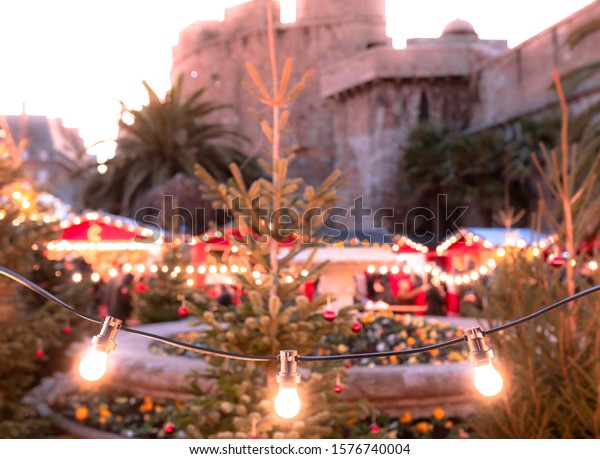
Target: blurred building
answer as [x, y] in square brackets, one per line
[356, 112]
[52, 156]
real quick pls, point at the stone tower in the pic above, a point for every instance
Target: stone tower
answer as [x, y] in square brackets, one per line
[212, 54]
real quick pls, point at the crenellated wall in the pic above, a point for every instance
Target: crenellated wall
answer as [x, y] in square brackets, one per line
[356, 112]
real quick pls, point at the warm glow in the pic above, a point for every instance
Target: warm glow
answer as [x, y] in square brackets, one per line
[488, 381]
[287, 402]
[93, 366]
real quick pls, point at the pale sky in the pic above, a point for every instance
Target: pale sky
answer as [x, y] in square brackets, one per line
[76, 60]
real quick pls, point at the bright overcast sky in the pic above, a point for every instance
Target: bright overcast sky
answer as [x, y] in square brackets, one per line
[76, 60]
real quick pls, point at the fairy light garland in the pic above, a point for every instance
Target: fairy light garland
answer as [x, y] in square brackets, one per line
[487, 380]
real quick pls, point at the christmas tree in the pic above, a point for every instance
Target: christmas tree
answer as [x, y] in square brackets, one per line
[274, 221]
[551, 368]
[34, 333]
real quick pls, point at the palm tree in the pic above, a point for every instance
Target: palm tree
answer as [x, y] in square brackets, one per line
[167, 138]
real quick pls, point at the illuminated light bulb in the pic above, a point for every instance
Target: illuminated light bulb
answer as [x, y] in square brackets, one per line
[77, 277]
[371, 269]
[95, 277]
[93, 366]
[223, 269]
[112, 272]
[406, 269]
[593, 265]
[289, 279]
[487, 380]
[287, 403]
[189, 269]
[304, 273]
[395, 269]
[201, 269]
[501, 252]
[383, 270]
[234, 268]
[256, 274]
[212, 269]
[153, 268]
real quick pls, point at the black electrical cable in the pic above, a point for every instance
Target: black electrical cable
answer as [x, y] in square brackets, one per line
[230, 355]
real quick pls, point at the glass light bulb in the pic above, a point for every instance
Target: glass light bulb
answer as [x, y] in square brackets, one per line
[488, 381]
[287, 402]
[93, 366]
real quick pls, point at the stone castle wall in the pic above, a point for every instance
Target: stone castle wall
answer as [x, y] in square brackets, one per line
[519, 82]
[355, 113]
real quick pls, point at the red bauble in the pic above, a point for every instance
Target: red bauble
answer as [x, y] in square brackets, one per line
[556, 260]
[374, 428]
[39, 354]
[67, 330]
[338, 388]
[329, 314]
[124, 291]
[356, 327]
[141, 287]
[182, 311]
[169, 427]
[348, 364]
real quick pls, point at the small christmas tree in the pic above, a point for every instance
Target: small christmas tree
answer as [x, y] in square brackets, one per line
[33, 332]
[550, 365]
[274, 222]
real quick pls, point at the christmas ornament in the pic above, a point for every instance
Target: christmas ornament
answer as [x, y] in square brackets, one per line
[183, 310]
[253, 435]
[329, 313]
[556, 260]
[356, 326]
[169, 427]
[67, 330]
[338, 384]
[39, 353]
[374, 428]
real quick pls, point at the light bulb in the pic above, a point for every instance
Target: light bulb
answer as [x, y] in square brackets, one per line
[93, 366]
[287, 402]
[488, 381]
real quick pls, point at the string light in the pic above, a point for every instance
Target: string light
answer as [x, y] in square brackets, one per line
[487, 379]
[93, 366]
[287, 403]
